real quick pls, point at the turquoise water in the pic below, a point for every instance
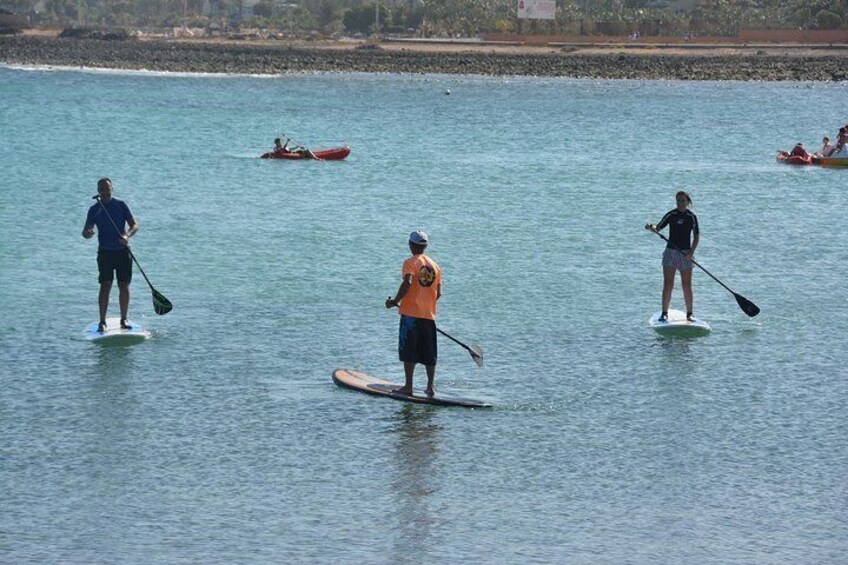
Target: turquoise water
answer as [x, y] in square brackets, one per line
[223, 439]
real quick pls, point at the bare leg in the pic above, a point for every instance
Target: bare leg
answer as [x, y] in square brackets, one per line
[686, 278]
[103, 299]
[431, 379]
[668, 286]
[124, 298]
[409, 371]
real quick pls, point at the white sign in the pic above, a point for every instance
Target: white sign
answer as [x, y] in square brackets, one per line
[537, 9]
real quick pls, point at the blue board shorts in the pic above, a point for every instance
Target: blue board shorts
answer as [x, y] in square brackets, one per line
[417, 340]
[673, 259]
[114, 261]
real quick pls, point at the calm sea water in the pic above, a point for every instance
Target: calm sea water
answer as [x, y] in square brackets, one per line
[223, 438]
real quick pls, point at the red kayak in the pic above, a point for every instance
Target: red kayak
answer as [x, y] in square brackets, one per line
[332, 154]
[784, 157]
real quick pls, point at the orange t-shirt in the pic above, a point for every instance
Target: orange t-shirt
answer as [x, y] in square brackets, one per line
[420, 300]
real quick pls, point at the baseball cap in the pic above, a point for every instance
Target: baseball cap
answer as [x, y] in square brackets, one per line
[419, 238]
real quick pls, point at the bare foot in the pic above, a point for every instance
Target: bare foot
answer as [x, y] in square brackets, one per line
[430, 392]
[404, 390]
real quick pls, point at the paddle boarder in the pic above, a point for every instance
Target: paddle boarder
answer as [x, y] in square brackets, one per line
[416, 299]
[680, 251]
[111, 217]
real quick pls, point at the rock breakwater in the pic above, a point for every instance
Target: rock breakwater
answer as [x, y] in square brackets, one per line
[245, 58]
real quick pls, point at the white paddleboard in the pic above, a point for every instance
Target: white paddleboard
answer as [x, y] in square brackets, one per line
[678, 325]
[115, 334]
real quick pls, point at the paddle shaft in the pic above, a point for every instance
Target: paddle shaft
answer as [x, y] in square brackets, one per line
[299, 146]
[450, 337]
[746, 305]
[295, 142]
[105, 211]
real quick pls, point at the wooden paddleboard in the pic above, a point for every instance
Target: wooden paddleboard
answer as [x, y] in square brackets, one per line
[115, 334]
[359, 381]
[678, 325]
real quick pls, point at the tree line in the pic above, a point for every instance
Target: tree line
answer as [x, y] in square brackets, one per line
[440, 18]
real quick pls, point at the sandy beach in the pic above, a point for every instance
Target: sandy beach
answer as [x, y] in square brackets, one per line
[631, 61]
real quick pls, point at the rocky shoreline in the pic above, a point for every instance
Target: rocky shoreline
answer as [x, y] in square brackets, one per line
[245, 58]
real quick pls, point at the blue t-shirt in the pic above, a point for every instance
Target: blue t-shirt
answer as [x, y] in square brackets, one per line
[107, 238]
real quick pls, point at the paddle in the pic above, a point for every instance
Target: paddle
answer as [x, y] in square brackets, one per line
[298, 147]
[475, 350]
[746, 305]
[161, 305]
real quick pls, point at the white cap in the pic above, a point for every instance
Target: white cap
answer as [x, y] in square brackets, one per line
[419, 237]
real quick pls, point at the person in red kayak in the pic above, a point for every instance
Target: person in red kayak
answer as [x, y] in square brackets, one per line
[416, 299]
[280, 147]
[799, 151]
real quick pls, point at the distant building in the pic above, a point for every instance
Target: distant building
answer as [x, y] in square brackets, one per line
[215, 9]
[685, 6]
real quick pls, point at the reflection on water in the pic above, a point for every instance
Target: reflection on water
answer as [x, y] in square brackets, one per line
[417, 440]
[114, 360]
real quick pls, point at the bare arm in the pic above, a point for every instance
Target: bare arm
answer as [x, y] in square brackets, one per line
[401, 292]
[658, 227]
[695, 241]
[134, 227]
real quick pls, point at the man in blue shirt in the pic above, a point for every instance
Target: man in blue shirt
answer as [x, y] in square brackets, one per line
[111, 216]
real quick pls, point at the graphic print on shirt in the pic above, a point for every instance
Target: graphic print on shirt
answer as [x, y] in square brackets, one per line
[426, 276]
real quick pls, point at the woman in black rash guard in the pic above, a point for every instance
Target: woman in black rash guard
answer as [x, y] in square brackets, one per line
[680, 251]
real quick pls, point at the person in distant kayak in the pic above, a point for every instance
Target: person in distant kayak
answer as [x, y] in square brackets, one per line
[799, 151]
[280, 147]
[416, 299]
[680, 251]
[826, 150]
[113, 252]
[841, 142]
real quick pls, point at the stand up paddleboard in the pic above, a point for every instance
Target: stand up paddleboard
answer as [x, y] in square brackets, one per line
[678, 325]
[115, 334]
[357, 380]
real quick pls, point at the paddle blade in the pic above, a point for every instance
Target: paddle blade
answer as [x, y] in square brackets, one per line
[476, 354]
[161, 305]
[747, 306]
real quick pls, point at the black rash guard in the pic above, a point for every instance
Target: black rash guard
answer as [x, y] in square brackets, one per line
[681, 226]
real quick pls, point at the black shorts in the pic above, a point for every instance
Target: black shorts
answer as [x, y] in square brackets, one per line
[417, 340]
[117, 261]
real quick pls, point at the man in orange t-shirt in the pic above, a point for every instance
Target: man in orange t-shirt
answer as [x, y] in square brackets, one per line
[416, 299]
